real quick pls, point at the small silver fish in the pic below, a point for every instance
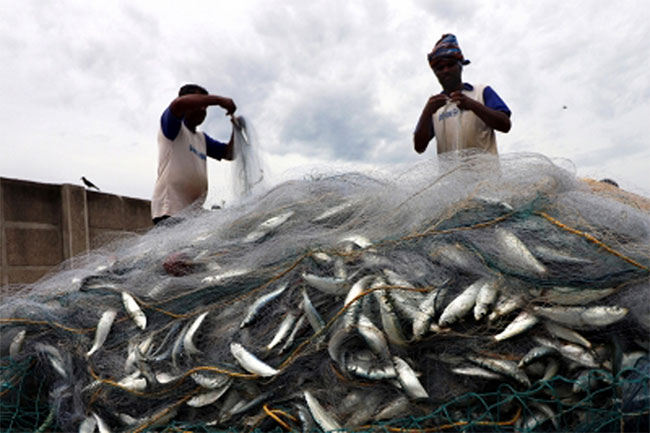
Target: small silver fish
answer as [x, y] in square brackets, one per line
[325, 420]
[268, 226]
[134, 310]
[188, 344]
[103, 328]
[211, 381]
[285, 328]
[570, 351]
[485, 297]
[515, 253]
[461, 305]
[250, 362]
[409, 381]
[475, 371]
[502, 366]
[300, 324]
[521, 323]
[573, 295]
[328, 285]
[583, 317]
[535, 354]
[101, 424]
[373, 336]
[256, 307]
[427, 311]
[316, 322]
[567, 334]
[208, 398]
[17, 343]
[389, 319]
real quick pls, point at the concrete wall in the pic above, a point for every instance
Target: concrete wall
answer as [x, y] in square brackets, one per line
[42, 225]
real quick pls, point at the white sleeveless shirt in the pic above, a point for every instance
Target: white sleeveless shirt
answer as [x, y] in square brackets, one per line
[457, 129]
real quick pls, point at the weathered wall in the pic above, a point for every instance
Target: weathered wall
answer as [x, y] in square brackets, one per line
[42, 225]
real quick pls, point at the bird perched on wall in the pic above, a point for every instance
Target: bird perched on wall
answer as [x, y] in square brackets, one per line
[88, 183]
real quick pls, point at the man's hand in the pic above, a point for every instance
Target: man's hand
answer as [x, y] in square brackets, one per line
[435, 102]
[464, 102]
[228, 105]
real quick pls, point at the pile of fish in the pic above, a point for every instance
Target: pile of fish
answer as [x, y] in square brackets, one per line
[451, 294]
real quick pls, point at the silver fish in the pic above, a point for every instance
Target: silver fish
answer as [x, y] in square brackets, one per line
[567, 334]
[211, 381]
[332, 211]
[373, 337]
[250, 362]
[325, 420]
[54, 356]
[188, 344]
[296, 330]
[505, 305]
[357, 289]
[165, 378]
[208, 397]
[409, 381]
[88, 425]
[389, 319]
[475, 371]
[535, 354]
[485, 297]
[316, 322]
[103, 328]
[17, 343]
[101, 424]
[134, 310]
[552, 255]
[285, 328]
[224, 276]
[268, 226]
[328, 285]
[570, 351]
[573, 295]
[134, 382]
[428, 309]
[521, 323]
[461, 305]
[515, 253]
[583, 317]
[502, 366]
[256, 307]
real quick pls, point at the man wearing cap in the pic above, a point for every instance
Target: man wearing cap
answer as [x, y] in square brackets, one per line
[462, 116]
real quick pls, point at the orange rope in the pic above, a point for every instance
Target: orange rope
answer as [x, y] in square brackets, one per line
[275, 417]
[592, 239]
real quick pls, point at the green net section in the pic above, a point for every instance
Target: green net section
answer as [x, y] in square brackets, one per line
[606, 404]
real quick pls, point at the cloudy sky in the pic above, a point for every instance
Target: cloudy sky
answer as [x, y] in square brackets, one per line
[336, 83]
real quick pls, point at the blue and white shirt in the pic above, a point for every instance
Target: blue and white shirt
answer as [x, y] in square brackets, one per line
[182, 169]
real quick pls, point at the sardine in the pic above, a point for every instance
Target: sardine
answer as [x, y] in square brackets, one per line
[389, 319]
[188, 344]
[54, 357]
[103, 328]
[409, 381]
[502, 366]
[268, 226]
[583, 317]
[476, 371]
[395, 409]
[256, 307]
[567, 334]
[17, 343]
[373, 337]
[211, 381]
[521, 323]
[515, 253]
[573, 295]
[101, 424]
[461, 305]
[316, 322]
[327, 285]
[300, 324]
[325, 420]
[88, 425]
[134, 310]
[250, 362]
[485, 297]
[285, 328]
[535, 354]
[427, 311]
[208, 397]
[350, 315]
[570, 351]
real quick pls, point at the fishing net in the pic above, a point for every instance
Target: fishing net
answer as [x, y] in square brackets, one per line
[462, 294]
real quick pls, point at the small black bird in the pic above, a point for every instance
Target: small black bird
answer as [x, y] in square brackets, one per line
[88, 183]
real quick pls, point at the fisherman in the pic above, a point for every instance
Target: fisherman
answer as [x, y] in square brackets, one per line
[182, 152]
[462, 116]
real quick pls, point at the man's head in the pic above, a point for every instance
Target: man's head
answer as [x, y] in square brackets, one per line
[447, 61]
[194, 118]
